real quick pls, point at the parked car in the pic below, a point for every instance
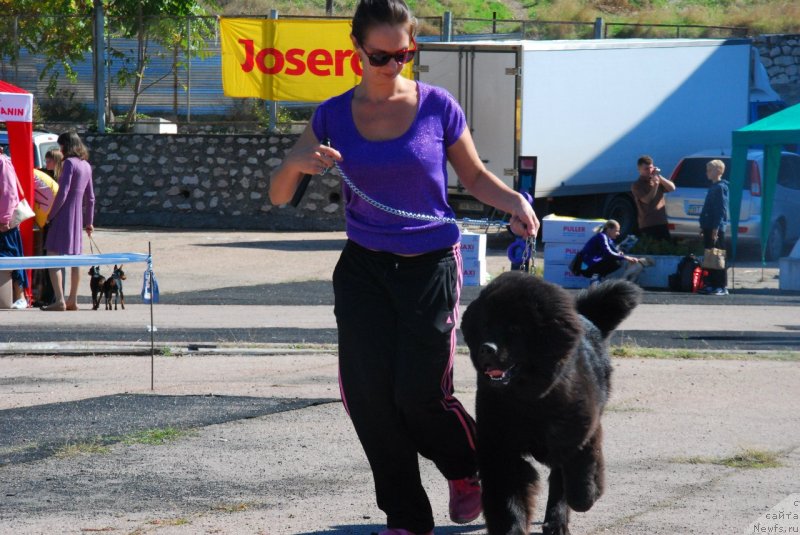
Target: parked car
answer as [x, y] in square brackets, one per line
[686, 202]
[42, 142]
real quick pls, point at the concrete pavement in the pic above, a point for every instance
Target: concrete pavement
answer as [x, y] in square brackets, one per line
[260, 455]
[260, 287]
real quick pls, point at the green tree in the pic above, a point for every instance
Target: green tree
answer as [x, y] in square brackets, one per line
[58, 31]
[167, 24]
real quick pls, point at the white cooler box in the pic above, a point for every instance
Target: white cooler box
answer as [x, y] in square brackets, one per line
[561, 253]
[561, 229]
[473, 246]
[561, 275]
[474, 272]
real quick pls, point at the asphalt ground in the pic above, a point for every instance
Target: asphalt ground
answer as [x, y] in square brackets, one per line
[261, 448]
[260, 288]
[670, 431]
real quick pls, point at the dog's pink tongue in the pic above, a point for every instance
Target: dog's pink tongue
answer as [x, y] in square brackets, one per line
[495, 374]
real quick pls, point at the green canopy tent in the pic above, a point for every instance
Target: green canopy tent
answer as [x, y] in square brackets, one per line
[773, 132]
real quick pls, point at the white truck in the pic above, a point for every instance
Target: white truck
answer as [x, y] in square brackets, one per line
[567, 120]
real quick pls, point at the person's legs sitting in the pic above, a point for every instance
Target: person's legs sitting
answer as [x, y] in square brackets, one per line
[606, 268]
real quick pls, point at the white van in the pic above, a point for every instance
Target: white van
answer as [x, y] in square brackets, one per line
[42, 142]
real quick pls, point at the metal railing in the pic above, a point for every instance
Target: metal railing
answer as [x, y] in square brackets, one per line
[629, 29]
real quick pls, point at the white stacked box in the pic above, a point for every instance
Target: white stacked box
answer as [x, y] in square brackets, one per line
[473, 255]
[563, 238]
[560, 229]
[560, 253]
[561, 275]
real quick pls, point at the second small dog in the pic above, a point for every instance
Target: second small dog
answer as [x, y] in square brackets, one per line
[96, 283]
[113, 286]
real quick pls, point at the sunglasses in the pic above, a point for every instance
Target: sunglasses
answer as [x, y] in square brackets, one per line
[401, 57]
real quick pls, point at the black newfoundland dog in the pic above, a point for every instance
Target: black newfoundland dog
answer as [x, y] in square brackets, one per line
[543, 381]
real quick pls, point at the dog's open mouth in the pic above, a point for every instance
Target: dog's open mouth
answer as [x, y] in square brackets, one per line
[499, 375]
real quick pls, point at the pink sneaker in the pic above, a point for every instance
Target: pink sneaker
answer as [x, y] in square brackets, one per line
[397, 531]
[465, 499]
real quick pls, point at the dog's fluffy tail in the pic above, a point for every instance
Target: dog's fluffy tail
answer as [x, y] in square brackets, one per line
[608, 303]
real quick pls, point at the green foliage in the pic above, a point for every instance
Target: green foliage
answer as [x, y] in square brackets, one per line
[90, 447]
[758, 16]
[62, 106]
[749, 458]
[155, 437]
[163, 22]
[59, 31]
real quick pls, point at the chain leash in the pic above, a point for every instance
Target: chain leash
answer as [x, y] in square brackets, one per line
[394, 211]
[528, 255]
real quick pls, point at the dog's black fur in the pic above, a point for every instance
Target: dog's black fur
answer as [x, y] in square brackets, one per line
[96, 283]
[543, 381]
[113, 286]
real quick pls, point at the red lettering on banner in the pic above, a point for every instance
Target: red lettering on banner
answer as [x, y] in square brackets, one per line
[18, 112]
[249, 51]
[294, 57]
[296, 62]
[277, 65]
[319, 58]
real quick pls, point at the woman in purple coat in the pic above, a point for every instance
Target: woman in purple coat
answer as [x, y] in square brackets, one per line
[73, 210]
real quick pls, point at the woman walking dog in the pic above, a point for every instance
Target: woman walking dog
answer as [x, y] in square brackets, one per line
[397, 282]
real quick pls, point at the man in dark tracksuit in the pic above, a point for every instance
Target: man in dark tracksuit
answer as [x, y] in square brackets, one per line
[713, 220]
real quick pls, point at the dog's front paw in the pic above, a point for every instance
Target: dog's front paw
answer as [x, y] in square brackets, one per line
[555, 528]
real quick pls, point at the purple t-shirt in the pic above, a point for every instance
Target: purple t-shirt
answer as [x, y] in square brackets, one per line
[408, 173]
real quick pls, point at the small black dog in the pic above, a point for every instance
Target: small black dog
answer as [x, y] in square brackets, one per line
[96, 283]
[113, 286]
[543, 381]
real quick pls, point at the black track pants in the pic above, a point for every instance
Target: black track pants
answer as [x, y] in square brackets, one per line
[396, 318]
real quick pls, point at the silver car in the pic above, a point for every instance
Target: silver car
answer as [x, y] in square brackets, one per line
[686, 202]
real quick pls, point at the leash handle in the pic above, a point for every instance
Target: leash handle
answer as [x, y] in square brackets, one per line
[303, 186]
[93, 246]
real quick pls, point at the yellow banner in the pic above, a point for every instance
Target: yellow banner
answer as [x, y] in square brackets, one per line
[289, 59]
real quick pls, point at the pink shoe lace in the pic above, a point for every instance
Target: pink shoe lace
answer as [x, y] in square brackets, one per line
[465, 499]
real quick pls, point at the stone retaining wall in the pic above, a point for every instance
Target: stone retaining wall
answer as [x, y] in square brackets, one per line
[780, 54]
[203, 181]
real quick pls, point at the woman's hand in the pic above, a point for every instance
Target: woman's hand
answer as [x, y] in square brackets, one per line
[523, 219]
[308, 156]
[89, 230]
[632, 259]
[312, 159]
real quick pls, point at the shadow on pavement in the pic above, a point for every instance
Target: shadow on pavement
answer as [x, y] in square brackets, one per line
[284, 245]
[375, 529]
[32, 433]
[320, 292]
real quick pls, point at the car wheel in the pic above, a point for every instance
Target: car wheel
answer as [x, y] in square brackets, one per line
[775, 241]
[621, 209]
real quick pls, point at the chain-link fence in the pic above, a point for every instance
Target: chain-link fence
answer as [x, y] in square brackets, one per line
[173, 70]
